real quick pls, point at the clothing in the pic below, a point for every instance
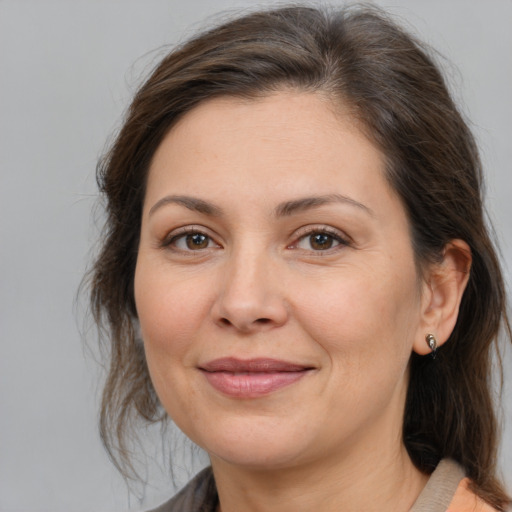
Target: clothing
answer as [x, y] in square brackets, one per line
[447, 490]
[199, 495]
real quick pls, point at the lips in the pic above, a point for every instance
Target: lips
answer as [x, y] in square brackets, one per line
[252, 378]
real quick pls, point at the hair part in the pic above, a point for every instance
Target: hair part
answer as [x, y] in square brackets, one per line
[362, 61]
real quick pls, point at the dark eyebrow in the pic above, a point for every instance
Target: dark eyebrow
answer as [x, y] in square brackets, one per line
[282, 210]
[306, 203]
[192, 203]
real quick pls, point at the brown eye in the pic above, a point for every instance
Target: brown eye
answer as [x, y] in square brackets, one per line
[196, 241]
[191, 240]
[321, 241]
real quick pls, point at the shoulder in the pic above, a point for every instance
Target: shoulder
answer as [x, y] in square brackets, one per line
[199, 495]
[449, 490]
[465, 500]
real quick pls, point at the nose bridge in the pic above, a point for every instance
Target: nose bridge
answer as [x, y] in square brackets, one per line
[250, 296]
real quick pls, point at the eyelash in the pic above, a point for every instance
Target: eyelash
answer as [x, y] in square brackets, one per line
[342, 241]
[171, 240]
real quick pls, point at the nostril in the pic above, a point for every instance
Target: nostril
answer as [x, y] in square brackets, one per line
[259, 321]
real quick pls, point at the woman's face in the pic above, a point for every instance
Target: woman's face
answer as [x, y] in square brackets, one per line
[275, 283]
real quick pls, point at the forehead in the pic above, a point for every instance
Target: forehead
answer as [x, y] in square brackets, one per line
[287, 139]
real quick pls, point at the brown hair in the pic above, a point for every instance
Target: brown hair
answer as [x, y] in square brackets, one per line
[361, 59]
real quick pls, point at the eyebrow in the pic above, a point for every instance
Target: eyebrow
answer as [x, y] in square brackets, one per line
[308, 203]
[282, 210]
[192, 203]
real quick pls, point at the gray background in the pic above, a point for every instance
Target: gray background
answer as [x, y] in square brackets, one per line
[67, 71]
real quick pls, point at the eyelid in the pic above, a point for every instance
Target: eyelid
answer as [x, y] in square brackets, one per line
[175, 234]
[343, 239]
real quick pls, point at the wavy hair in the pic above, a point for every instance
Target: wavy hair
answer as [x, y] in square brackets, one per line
[359, 58]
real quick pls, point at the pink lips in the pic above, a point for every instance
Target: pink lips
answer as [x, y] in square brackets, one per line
[251, 378]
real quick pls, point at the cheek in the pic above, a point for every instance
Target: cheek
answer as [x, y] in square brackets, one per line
[169, 309]
[358, 312]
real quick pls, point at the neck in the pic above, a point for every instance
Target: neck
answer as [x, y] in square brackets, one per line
[382, 479]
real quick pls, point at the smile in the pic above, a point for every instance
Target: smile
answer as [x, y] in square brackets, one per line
[252, 378]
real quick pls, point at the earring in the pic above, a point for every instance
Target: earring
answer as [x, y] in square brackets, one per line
[432, 343]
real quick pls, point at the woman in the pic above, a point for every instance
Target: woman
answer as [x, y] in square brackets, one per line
[296, 270]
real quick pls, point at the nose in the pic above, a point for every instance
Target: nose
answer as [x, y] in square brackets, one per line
[250, 296]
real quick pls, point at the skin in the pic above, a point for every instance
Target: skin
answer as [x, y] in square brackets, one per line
[258, 286]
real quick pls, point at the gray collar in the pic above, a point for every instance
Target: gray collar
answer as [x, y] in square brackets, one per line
[440, 489]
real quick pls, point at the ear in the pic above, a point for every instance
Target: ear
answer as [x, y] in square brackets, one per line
[442, 290]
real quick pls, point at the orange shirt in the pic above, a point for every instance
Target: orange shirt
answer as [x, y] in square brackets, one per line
[447, 490]
[465, 500]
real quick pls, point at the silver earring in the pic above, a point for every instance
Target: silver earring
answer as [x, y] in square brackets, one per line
[432, 343]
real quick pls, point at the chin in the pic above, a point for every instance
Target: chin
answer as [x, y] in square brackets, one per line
[257, 456]
[258, 444]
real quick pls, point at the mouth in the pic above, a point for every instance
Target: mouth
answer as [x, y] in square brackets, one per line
[252, 378]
